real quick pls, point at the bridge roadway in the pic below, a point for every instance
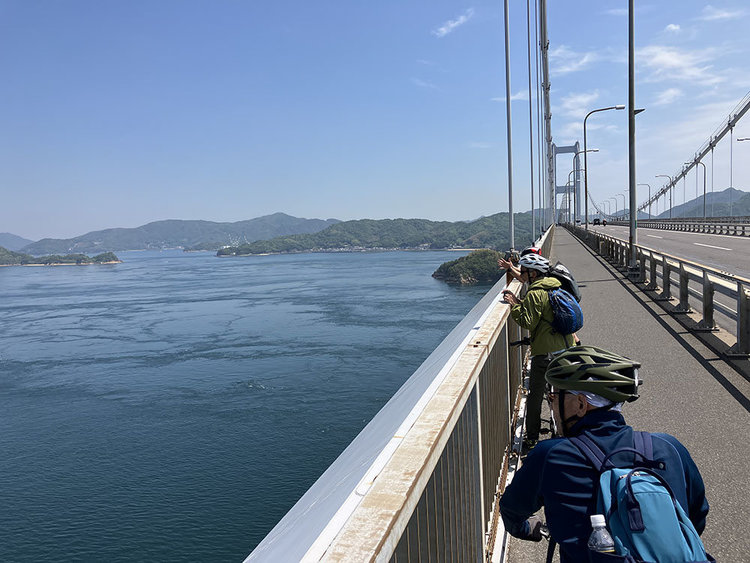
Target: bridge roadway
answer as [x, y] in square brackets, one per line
[725, 252]
[688, 391]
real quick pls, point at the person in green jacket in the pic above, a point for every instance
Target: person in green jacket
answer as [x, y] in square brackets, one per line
[534, 313]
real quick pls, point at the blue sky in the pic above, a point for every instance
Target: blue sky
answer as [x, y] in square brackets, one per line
[115, 114]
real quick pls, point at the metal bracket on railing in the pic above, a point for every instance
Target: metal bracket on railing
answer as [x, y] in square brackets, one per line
[666, 282]
[707, 324]
[683, 306]
[742, 348]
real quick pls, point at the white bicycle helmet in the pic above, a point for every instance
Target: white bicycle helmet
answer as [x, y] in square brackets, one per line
[534, 262]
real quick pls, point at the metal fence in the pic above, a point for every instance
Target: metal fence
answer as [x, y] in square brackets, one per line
[431, 493]
[693, 284]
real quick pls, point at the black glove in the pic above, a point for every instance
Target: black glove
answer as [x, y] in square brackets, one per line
[535, 528]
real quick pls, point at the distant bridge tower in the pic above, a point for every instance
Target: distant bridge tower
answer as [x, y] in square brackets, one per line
[561, 188]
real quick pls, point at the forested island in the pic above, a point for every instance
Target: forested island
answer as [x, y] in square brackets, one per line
[478, 267]
[395, 234]
[10, 258]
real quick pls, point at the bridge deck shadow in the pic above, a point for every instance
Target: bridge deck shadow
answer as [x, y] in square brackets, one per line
[689, 391]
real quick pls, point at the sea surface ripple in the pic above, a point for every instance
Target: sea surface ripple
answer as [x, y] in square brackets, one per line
[175, 406]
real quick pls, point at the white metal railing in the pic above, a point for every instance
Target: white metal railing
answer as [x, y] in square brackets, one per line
[694, 283]
[420, 482]
[736, 226]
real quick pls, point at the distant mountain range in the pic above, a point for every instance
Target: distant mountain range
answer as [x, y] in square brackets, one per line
[366, 234]
[199, 235]
[13, 242]
[717, 205]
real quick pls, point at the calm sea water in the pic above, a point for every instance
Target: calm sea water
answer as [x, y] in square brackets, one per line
[175, 406]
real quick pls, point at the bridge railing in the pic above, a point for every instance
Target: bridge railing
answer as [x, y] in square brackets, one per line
[737, 226]
[420, 482]
[692, 283]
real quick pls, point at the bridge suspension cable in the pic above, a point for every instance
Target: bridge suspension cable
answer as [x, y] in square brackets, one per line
[726, 127]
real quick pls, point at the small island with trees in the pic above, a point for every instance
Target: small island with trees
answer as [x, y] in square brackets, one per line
[10, 258]
[478, 267]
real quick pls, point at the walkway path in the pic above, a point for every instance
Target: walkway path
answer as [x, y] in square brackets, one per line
[688, 391]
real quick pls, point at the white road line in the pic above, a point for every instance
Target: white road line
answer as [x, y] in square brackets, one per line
[711, 246]
[653, 236]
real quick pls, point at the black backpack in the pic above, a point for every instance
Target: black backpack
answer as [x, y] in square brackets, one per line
[563, 275]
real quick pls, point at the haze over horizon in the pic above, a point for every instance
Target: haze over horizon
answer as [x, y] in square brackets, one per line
[121, 114]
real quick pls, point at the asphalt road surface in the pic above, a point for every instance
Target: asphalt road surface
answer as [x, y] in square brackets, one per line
[728, 253]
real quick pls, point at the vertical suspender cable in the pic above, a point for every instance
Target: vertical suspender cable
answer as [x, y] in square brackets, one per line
[538, 116]
[712, 181]
[549, 155]
[508, 127]
[731, 167]
[531, 117]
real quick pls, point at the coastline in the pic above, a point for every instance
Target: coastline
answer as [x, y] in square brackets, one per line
[350, 250]
[64, 264]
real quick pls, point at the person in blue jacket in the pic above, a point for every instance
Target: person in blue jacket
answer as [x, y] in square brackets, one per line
[589, 387]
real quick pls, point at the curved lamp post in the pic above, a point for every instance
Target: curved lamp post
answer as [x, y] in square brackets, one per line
[583, 152]
[670, 191]
[624, 200]
[649, 198]
[704, 184]
[585, 160]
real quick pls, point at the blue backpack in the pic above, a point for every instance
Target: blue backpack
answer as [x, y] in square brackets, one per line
[644, 517]
[567, 314]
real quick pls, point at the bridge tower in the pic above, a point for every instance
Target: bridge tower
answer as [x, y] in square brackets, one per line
[561, 189]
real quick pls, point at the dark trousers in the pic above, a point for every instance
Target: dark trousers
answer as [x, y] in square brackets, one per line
[537, 385]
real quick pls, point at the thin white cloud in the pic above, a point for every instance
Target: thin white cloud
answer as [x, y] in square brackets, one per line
[619, 12]
[426, 62]
[668, 96]
[670, 63]
[423, 84]
[672, 28]
[710, 13]
[521, 95]
[577, 105]
[564, 60]
[451, 25]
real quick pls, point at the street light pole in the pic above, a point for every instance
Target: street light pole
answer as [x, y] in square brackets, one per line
[670, 191]
[739, 140]
[624, 200]
[575, 195]
[704, 185]
[616, 210]
[585, 160]
[632, 111]
[649, 198]
[508, 128]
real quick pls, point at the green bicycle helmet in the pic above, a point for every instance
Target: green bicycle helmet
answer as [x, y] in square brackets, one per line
[594, 370]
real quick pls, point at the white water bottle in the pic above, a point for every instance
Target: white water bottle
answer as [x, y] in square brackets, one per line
[600, 539]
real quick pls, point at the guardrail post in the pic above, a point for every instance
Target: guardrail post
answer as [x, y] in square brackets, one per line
[640, 256]
[652, 285]
[683, 306]
[666, 283]
[707, 324]
[742, 348]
